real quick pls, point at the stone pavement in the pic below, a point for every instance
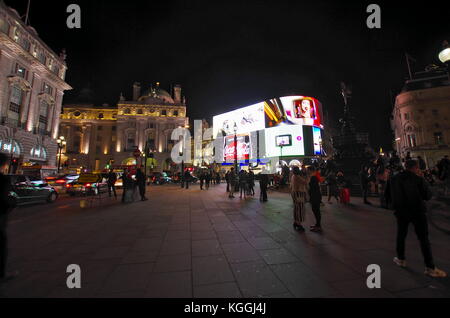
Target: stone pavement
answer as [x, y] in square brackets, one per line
[192, 243]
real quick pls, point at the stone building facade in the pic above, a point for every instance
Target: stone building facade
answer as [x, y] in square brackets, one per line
[101, 136]
[32, 84]
[421, 117]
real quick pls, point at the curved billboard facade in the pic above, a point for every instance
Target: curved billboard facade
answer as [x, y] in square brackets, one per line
[288, 126]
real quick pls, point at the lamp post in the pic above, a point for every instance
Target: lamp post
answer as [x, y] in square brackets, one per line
[61, 142]
[444, 56]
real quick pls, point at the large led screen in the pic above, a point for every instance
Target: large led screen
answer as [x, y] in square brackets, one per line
[285, 140]
[242, 147]
[317, 139]
[246, 119]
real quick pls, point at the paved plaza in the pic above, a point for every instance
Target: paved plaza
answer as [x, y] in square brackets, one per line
[193, 243]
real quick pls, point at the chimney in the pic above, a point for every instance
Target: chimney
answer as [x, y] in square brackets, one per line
[136, 91]
[177, 93]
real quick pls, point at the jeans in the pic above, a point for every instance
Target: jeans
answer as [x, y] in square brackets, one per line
[113, 188]
[316, 210]
[421, 228]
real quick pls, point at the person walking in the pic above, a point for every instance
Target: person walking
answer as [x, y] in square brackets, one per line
[364, 181]
[315, 198]
[218, 178]
[332, 187]
[6, 206]
[111, 181]
[263, 184]
[140, 181]
[227, 179]
[298, 187]
[127, 186]
[243, 183]
[251, 183]
[187, 178]
[344, 185]
[207, 179]
[202, 179]
[408, 192]
[232, 180]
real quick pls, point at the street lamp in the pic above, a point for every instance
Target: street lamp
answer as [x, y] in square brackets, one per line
[61, 142]
[444, 56]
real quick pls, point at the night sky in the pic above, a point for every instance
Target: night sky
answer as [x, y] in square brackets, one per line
[228, 54]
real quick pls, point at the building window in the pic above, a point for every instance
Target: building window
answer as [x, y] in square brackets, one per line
[412, 140]
[38, 152]
[100, 127]
[21, 71]
[22, 41]
[113, 128]
[97, 150]
[43, 113]
[15, 104]
[99, 138]
[130, 141]
[406, 116]
[164, 113]
[77, 143]
[438, 138]
[140, 112]
[127, 111]
[175, 112]
[100, 116]
[47, 89]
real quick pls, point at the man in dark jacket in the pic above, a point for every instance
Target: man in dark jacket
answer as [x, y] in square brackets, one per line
[263, 183]
[112, 178]
[364, 180]
[187, 178]
[408, 192]
[5, 207]
[140, 181]
[315, 198]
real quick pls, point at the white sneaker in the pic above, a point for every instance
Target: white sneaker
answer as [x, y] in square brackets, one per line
[435, 272]
[400, 262]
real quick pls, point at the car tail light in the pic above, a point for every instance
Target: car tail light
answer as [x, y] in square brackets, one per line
[88, 185]
[68, 186]
[61, 181]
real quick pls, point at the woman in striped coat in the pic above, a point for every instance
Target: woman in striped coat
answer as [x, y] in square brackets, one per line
[298, 185]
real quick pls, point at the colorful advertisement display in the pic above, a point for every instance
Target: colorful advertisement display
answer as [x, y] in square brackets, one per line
[317, 139]
[284, 140]
[244, 120]
[243, 148]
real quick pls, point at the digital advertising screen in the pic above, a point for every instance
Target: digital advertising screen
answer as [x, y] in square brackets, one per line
[243, 148]
[302, 110]
[286, 140]
[317, 140]
[246, 119]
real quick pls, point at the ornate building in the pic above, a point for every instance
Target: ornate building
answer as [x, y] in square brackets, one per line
[420, 118]
[31, 91]
[101, 136]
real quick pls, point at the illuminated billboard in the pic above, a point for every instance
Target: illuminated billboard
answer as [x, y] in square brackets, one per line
[243, 148]
[317, 140]
[286, 140]
[246, 119]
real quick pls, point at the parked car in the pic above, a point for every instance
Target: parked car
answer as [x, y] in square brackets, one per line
[25, 190]
[160, 178]
[87, 184]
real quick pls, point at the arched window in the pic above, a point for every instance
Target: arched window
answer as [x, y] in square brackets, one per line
[77, 143]
[100, 116]
[10, 146]
[38, 152]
